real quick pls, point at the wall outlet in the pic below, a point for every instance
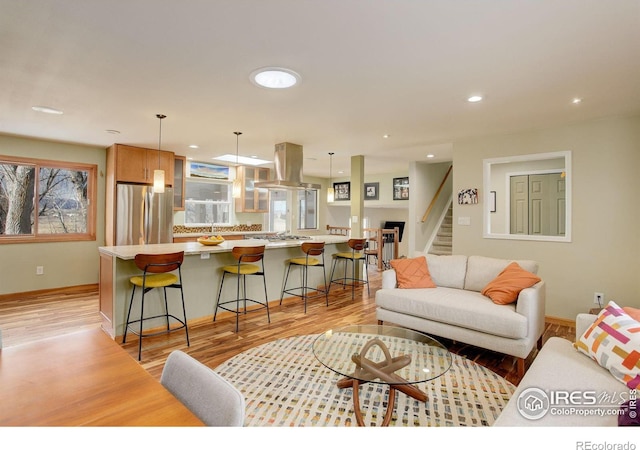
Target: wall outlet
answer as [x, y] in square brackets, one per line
[598, 298]
[39, 270]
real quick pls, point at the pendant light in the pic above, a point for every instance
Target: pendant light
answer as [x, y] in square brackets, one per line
[158, 174]
[330, 192]
[237, 183]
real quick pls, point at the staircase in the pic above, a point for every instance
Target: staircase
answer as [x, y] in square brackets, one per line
[442, 244]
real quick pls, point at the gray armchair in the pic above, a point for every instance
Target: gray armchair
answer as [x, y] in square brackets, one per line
[206, 394]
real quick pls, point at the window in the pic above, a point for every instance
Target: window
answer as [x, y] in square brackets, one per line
[308, 209]
[278, 220]
[306, 205]
[47, 201]
[207, 202]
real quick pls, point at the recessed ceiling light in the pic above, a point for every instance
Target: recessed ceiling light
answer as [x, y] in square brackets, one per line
[430, 155]
[340, 171]
[576, 100]
[275, 77]
[46, 109]
[386, 136]
[194, 146]
[112, 131]
[474, 98]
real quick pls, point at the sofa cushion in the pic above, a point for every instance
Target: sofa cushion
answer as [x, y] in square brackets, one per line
[504, 289]
[481, 270]
[456, 307]
[613, 340]
[447, 270]
[412, 273]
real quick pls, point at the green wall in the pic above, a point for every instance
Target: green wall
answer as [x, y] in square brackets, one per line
[65, 263]
[604, 255]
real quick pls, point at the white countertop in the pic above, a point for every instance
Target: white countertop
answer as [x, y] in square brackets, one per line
[194, 248]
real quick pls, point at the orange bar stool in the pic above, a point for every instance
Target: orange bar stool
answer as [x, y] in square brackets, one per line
[354, 256]
[311, 251]
[245, 257]
[156, 273]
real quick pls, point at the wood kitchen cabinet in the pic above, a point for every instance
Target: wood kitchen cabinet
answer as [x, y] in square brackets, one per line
[252, 199]
[128, 164]
[136, 164]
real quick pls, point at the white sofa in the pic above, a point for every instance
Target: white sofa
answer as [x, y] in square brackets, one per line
[456, 309]
[560, 367]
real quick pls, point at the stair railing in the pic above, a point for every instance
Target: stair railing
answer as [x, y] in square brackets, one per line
[437, 194]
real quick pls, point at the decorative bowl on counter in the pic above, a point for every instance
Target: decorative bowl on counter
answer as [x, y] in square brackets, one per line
[211, 240]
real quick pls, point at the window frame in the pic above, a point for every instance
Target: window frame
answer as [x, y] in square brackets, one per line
[92, 183]
[229, 200]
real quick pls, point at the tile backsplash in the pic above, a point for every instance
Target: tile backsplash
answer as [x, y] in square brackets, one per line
[179, 229]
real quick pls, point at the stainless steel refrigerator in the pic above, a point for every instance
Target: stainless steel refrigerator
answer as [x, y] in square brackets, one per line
[142, 216]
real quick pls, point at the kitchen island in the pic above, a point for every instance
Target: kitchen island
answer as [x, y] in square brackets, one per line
[201, 276]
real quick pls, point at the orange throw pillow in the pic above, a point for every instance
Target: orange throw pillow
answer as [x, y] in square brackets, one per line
[412, 273]
[634, 313]
[504, 288]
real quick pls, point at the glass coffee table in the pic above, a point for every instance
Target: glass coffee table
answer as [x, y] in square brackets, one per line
[395, 356]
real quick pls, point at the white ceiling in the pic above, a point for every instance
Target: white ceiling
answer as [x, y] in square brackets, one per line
[369, 68]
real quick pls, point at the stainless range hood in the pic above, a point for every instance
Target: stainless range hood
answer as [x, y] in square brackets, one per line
[288, 167]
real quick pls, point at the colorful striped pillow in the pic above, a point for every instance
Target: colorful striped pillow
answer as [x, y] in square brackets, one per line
[613, 341]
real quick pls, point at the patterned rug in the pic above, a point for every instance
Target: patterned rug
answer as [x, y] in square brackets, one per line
[284, 385]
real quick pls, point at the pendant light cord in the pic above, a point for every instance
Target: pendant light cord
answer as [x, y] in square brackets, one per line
[330, 168]
[237, 133]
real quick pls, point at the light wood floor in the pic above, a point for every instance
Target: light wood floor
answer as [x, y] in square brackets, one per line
[27, 319]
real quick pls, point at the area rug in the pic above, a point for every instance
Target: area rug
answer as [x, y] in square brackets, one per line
[284, 385]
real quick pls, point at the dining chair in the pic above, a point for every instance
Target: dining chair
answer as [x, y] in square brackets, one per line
[205, 393]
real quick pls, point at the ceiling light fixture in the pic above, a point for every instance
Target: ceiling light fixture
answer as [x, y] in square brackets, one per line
[194, 146]
[112, 131]
[237, 184]
[431, 155]
[47, 110]
[158, 174]
[275, 77]
[330, 191]
[386, 136]
[576, 100]
[474, 99]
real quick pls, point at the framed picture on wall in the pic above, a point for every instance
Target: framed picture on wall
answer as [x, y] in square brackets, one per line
[401, 188]
[342, 191]
[371, 191]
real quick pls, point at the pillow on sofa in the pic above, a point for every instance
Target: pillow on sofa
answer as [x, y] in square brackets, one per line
[412, 273]
[504, 289]
[482, 269]
[613, 341]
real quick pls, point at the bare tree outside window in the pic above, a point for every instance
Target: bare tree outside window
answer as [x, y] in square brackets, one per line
[16, 199]
[46, 200]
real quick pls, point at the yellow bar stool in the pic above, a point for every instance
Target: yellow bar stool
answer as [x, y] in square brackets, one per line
[311, 251]
[245, 257]
[354, 256]
[156, 273]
